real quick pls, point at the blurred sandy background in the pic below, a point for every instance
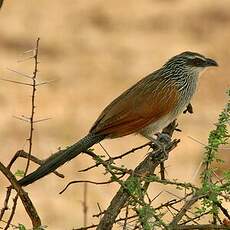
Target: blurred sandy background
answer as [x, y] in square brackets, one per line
[96, 49]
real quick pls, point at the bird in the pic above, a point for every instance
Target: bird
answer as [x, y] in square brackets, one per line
[145, 108]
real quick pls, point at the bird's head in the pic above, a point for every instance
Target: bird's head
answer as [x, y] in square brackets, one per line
[190, 61]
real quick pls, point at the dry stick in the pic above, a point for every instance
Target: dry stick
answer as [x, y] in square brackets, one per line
[195, 218]
[23, 154]
[187, 216]
[117, 157]
[85, 228]
[200, 227]
[126, 217]
[12, 225]
[116, 221]
[85, 207]
[185, 208]
[85, 181]
[21, 74]
[27, 203]
[15, 199]
[5, 207]
[224, 210]
[146, 168]
[121, 171]
[16, 82]
[30, 139]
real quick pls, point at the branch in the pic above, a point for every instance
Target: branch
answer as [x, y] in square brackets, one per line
[23, 154]
[6, 200]
[84, 204]
[84, 181]
[185, 208]
[224, 210]
[27, 203]
[1, 3]
[117, 157]
[31, 132]
[146, 168]
[15, 199]
[200, 227]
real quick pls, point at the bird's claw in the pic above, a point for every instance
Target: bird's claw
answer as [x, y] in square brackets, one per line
[160, 143]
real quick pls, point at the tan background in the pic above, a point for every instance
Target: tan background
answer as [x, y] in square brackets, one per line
[95, 49]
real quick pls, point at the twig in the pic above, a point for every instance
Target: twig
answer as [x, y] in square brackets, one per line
[12, 212]
[117, 157]
[16, 82]
[195, 218]
[5, 207]
[23, 154]
[84, 181]
[179, 184]
[188, 217]
[19, 73]
[21, 118]
[87, 227]
[126, 217]
[28, 205]
[85, 207]
[104, 149]
[224, 210]
[200, 227]
[185, 208]
[116, 221]
[46, 82]
[41, 120]
[30, 139]
[100, 211]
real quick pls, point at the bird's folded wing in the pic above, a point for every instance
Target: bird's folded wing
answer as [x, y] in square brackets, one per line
[136, 108]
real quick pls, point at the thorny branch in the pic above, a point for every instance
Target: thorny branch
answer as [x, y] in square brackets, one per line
[30, 209]
[34, 88]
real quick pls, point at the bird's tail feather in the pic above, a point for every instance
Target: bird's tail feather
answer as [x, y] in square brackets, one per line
[60, 158]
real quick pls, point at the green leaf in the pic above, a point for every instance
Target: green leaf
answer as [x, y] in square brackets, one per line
[19, 173]
[21, 227]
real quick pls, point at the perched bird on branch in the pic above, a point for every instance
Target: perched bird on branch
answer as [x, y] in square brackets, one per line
[145, 108]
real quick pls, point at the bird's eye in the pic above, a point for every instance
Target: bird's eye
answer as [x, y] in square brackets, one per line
[197, 62]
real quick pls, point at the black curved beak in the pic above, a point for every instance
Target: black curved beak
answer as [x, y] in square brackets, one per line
[210, 62]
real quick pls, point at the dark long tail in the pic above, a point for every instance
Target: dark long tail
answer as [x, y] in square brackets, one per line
[60, 158]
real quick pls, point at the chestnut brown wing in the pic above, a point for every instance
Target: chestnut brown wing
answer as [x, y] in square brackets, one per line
[147, 101]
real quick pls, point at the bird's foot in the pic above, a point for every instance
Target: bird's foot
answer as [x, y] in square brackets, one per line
[160, 143]
[189, 109]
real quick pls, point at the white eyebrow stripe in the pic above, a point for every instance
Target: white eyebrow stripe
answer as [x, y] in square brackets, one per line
[197, 56]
